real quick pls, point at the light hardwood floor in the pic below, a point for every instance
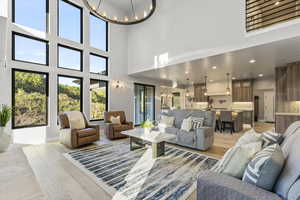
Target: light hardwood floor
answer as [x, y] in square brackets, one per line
[46, 174]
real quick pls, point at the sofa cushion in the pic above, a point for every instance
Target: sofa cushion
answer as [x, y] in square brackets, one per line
[271, 137]
[179, 116]
[291, 170]
[236, 159]
[86, 132]
[294, 192]
[186, 124]
[115, 120]
[249, 137]
[265, 167]
[197, 122]
[168, 121]
[186, 138]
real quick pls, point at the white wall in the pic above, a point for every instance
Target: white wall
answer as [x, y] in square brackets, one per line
[187, 30]
[119, 99]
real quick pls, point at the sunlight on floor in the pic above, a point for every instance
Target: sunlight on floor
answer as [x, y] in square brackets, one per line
[35, 135]
[147, 162]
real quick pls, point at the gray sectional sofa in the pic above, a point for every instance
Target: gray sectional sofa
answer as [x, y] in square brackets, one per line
[201, 138]
[214, 186]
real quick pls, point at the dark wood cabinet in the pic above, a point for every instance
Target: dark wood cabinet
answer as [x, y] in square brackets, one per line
[199, 90]
[248, 117]
[242, 91]
[293, 82]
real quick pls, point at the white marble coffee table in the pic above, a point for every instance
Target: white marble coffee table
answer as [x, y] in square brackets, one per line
[139, 136]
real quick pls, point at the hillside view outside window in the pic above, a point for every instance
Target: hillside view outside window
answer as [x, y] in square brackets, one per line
[30, 99]
[98, 98]
[98, 64]
[69, 58]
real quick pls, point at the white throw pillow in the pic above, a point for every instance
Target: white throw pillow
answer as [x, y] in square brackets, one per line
[167, 121]
[115, 120]
[236, 159]
[186, 124]
[76, 120]
[249, 137]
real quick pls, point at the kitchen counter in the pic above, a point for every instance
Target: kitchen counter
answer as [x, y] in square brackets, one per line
[288, 114]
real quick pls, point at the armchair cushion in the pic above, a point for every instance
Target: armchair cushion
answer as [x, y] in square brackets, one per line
[121, 127]
[214, 186]
[86, 132]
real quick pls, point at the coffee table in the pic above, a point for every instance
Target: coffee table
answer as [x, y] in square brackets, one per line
[139, 137]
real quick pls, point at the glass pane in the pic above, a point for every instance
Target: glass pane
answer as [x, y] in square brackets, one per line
[69, 94]
[98, 91]
[30, 99]
[98, 33]
[69, 58]
[139, 104]
[27, 10]
[149, 103]
[69, 21]
[98, 64]
[30, 50]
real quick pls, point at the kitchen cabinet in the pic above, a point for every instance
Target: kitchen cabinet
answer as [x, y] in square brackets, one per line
[199, 90]
[242, 91]
[248, 117]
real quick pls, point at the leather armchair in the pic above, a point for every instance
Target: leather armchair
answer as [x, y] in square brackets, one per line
[74, 138]
[113, 131]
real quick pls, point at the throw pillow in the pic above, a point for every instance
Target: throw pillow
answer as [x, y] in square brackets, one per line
[265, 167]
[76, 120]
[270, 137]
[167, 121]
[249, 137]
[186, 124]
[197, 122]
[115, 120]
[236, 159]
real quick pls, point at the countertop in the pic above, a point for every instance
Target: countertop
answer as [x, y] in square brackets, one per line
[288, 114]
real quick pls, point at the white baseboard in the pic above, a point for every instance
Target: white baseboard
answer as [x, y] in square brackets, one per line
[53, 139]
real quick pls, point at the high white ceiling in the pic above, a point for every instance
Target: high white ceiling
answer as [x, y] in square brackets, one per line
[236, 63]
[125, 5]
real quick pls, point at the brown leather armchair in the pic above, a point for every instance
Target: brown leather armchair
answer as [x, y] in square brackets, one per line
[113, 131]
[74, 138]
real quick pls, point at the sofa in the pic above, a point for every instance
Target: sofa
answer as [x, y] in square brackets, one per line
[72, 137]
[113, 131]
[201, 138]
[215, 186]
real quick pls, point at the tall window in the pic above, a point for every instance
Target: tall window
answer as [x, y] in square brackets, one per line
[99, 99]
[69, 94]
[25, 11]
[70, 21]
[30, 99]
[98, 64]
[29, 49]
[69, 58]
[98, 33]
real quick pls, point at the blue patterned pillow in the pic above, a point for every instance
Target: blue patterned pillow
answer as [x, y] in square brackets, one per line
[264, 169]
[197, 123]
[270, 137]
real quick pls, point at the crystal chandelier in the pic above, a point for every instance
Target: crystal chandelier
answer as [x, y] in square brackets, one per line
[125, 12]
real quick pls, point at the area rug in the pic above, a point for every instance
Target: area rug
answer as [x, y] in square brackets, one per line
[134, 175]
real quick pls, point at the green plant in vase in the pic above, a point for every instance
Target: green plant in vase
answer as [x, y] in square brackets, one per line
[147, 124]
[5, 115]
[5, 138]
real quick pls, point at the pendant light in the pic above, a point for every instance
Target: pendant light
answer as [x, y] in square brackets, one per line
[205, 90]
[228, 88]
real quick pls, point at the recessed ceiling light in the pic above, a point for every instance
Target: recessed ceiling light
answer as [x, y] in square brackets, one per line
[211, 80]
[233, 78]
[260, 75]
[252, 61]
[214, 67]
[277, 3]
[186, 72]
[164, 76]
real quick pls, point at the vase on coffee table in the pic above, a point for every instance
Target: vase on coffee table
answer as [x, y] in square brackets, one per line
[5, 138]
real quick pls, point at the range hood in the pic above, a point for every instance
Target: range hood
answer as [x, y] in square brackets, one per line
[210, 94]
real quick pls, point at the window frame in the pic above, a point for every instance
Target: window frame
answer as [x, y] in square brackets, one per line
[13, 7]
[81, 90]
[106, 99]
[81, 20]
[106, 65]
[13, 49]
[14, 70]
[106, 34]
[74, 49]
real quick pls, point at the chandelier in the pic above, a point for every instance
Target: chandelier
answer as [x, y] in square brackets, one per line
[125, 12]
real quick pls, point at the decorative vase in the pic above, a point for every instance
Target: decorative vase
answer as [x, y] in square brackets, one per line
[147, 131]
[5, 139]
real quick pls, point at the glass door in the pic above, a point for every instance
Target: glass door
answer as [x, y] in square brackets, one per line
[144, 103]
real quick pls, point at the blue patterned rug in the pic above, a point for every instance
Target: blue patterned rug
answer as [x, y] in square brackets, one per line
[134, 175]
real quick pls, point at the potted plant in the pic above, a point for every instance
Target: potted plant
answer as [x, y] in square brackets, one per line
[147, 126]
[5, 137]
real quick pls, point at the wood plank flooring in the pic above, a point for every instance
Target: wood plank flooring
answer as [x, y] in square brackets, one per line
[46, 174]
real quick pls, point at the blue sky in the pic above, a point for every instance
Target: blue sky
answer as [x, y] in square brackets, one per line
[32, 13]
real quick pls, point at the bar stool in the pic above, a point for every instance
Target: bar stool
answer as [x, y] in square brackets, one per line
[227, 121]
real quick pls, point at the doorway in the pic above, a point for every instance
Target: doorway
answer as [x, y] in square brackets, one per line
[144, 103]
[269, 106]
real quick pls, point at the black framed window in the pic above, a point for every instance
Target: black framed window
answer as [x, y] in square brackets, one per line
[70, 21]
[29, 98]
[98, 99]
[29, 49]
[98, 33]
[98, 64]
[69, 58]
[69, 93]
[24, 12]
